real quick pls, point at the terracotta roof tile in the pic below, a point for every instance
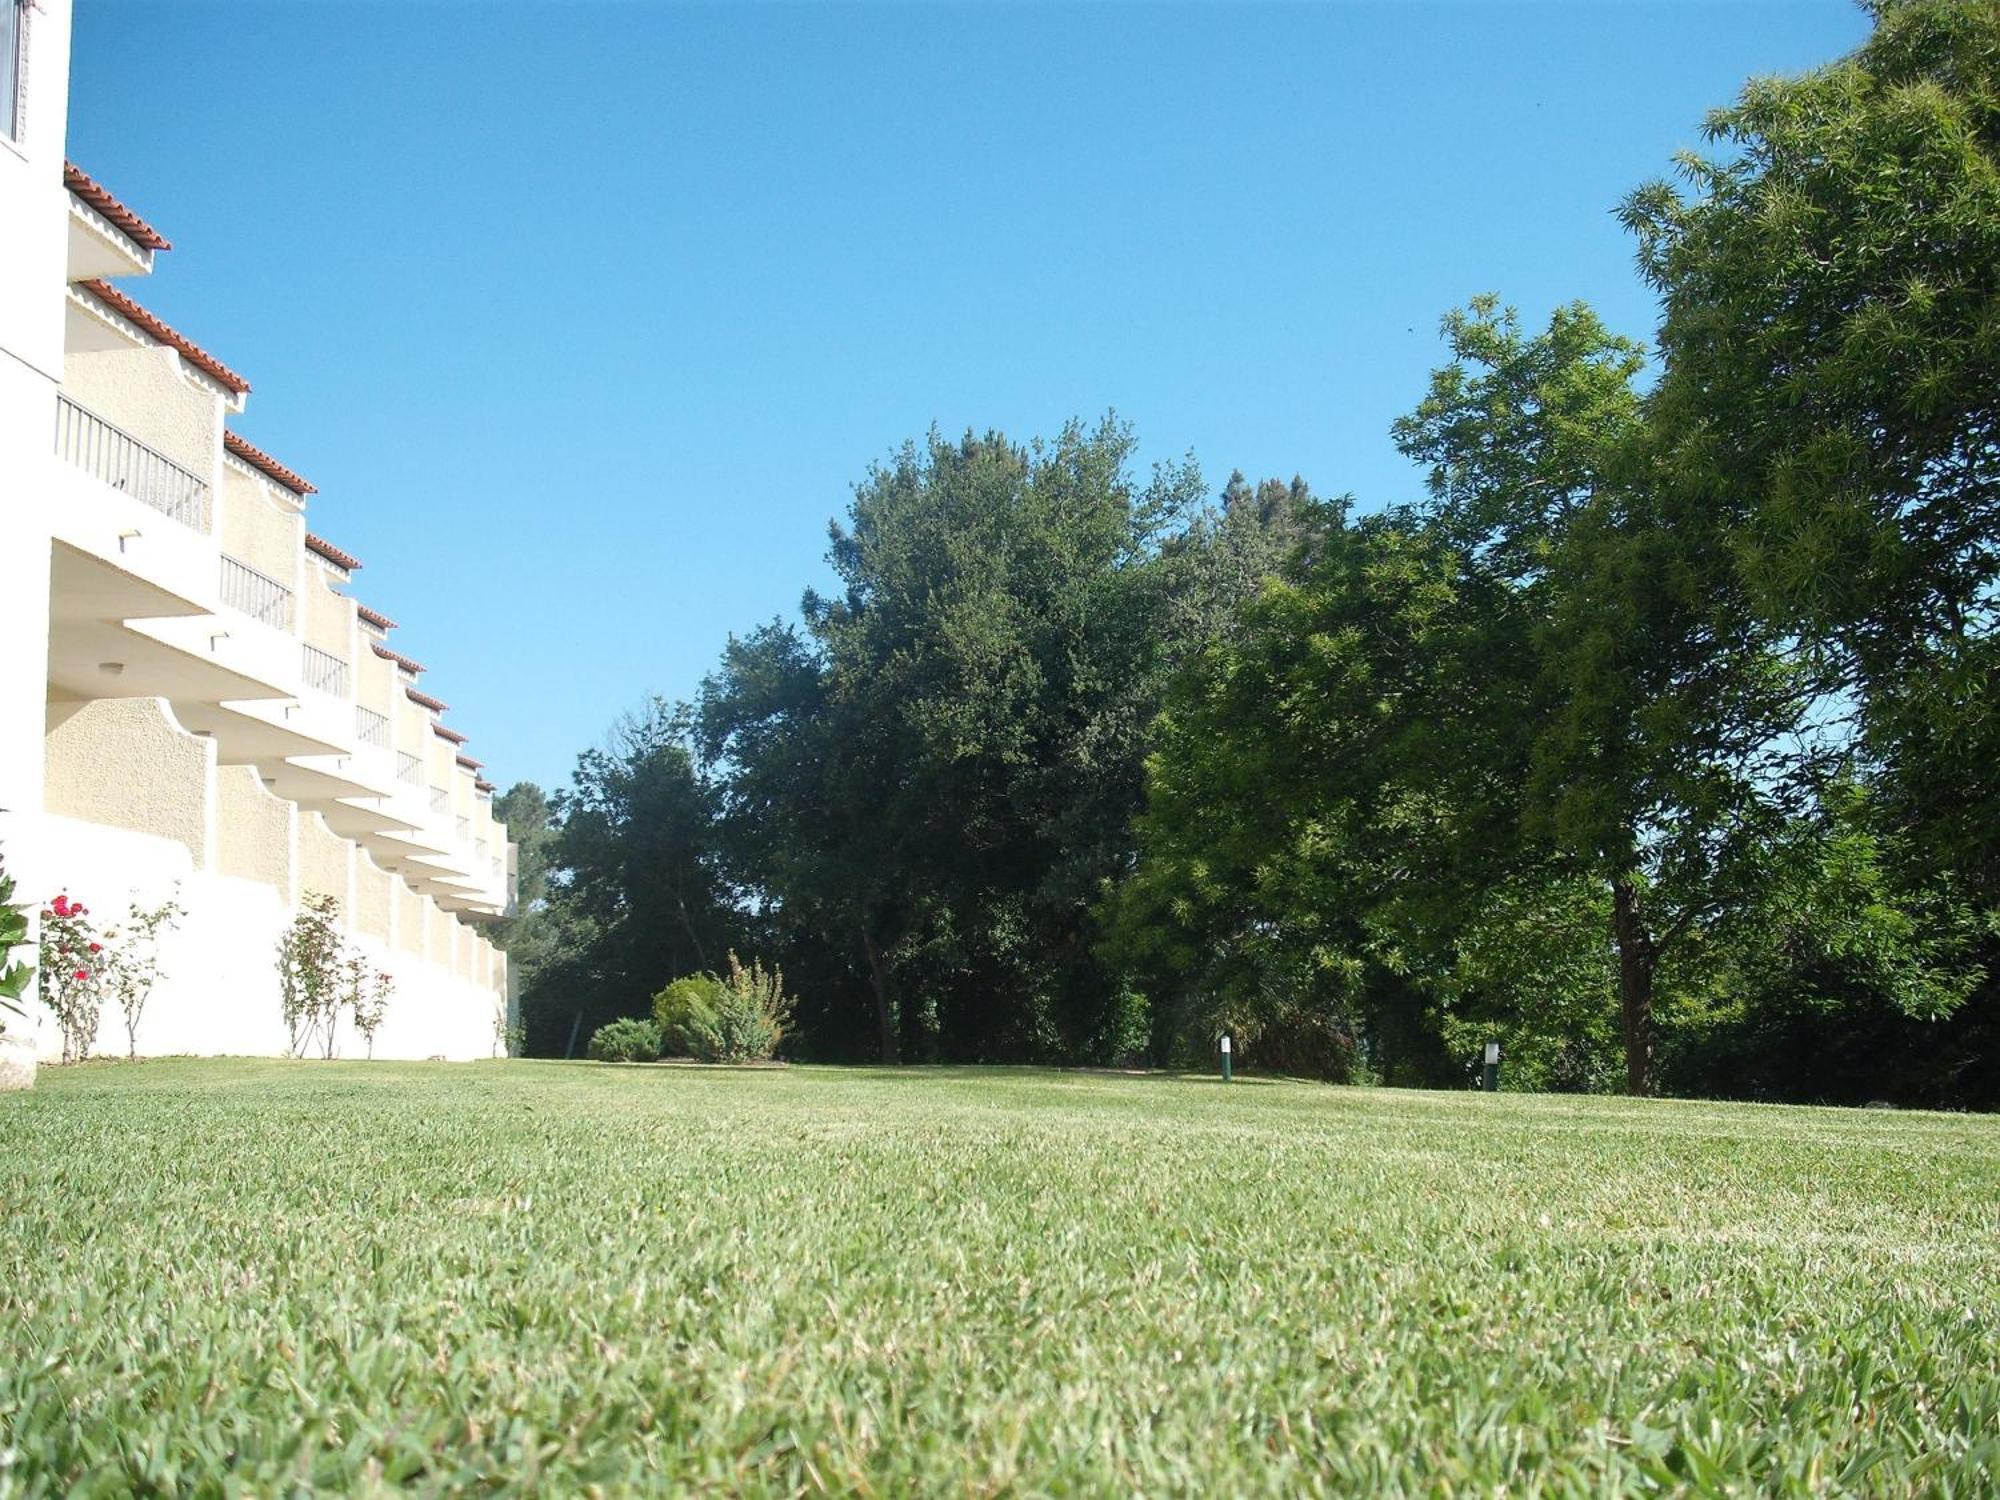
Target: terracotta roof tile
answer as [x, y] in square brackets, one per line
[449, 734]
[483, 785]
[332, 553]
[257, 458]
[472, 765]
[195, 355]
[402, 661]
[99, 197]
[374, 617]
[426, 699]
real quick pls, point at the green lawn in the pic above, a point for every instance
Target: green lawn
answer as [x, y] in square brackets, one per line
[537, 1277]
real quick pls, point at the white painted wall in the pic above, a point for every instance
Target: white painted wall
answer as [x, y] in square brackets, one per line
[218, 991]
[34, 241]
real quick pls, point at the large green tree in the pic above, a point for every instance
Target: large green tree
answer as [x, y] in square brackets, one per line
[1529, 704]
[938, 770]
[1831, 282]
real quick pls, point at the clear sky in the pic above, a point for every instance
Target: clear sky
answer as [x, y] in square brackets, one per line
[585, 318]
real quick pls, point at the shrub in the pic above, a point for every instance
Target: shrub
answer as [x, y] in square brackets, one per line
[737, 1018]
[132, 960]
[72, 965]
[309, 975]
[628, 1039]
[367, 995]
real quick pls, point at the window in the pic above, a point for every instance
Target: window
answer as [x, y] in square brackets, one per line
[13, 51]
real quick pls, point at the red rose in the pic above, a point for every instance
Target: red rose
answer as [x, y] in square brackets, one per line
[61, 905]
[83, 973]
[97, 947]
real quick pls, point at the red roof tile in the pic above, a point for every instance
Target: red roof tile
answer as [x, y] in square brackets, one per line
[195, 355]
[332, 553]
[449, 734]
[402, 661]
[483, 785]
[426, 699]
[375, 617]
[99, 197]
[472, 765]
[257, 458]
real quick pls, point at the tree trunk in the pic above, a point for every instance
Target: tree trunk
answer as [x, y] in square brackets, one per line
[1637, 958]
[885, 1019]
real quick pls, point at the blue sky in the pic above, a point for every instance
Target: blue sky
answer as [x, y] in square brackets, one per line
[585, 318]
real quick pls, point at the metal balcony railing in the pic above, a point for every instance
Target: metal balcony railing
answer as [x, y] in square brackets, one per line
[325, 672]
[440, 800]
[371, 728]
[479, 847]
[409, 768]
[464, 828]
[123, 462]
[256, 594]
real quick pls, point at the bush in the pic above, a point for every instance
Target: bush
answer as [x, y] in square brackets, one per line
[628, 1039]
[740, 1018]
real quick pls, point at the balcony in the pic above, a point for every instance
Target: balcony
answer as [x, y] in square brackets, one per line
[256, 594]
[370, 727]
[326, 673]
[409, 768]
[96, 446]
[440, 801]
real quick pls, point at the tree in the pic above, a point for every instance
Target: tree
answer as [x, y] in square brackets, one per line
[1308, 838]
[622, 886]
[937, 771]
[1832, 385]
[1834, 380]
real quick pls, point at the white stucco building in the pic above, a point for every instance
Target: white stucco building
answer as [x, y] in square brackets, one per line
[191, 695]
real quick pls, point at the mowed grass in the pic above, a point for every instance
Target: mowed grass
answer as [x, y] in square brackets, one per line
[260, 1277]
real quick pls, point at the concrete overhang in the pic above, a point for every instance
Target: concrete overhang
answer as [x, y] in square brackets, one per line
[318, 780]
[361, 819]
[251, 731]
[99, 248]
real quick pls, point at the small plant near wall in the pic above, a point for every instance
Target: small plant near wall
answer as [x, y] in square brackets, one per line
[14, 976]
[367, 996]
[132, 960]
[311, 966]
[72, 965]
[509, 1037]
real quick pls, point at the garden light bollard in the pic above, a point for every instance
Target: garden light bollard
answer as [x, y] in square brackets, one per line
[1225, 1057]
[1489, 1076]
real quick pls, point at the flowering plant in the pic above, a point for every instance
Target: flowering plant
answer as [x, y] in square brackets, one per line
[72, 973]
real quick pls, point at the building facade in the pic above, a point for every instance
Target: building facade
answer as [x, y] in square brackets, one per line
[194, 702]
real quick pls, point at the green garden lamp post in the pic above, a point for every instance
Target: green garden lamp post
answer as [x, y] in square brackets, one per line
[1225, 1056]
[1489, 1075]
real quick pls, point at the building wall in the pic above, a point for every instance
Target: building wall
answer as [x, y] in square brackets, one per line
[254, 830]
[374, 898]
[409, 920]
[125, 763]
[324, 861]
[258, 528]
[329, 617]
[144, 392]
[114, 800]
